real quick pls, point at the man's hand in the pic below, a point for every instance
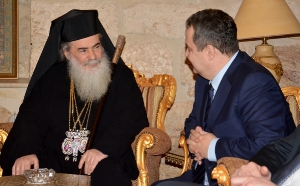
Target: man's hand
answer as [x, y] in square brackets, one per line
[198, 158]
[24, 163]
[252, 169]
[250, 181]
[199, 142]
[251, 175]
[90, 159]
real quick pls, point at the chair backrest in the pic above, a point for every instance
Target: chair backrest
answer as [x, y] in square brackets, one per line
[159, 94]
[292, 95]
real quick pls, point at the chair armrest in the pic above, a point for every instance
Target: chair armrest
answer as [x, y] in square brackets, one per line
[6, 126]
[150, 141]
[180, 156]
[161, 141]
[183, 145]
[225, 168]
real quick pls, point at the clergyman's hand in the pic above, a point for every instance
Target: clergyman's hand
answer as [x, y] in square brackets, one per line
[90, 159]
[24, 163]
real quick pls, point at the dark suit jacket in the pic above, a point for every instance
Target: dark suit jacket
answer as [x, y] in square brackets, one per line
[280, 153]
[43, 120]
[247, 112]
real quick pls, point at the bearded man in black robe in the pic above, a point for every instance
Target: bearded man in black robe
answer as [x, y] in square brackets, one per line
[54, 121]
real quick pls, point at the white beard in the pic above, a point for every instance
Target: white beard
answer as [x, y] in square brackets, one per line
[94, 82]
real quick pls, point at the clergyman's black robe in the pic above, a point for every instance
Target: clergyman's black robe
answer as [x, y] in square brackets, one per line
[43, 120]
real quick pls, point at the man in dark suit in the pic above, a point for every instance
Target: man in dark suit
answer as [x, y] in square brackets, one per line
[238, 108]
[61, 102]
[279, 162]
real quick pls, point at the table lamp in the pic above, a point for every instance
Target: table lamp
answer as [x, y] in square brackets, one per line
[263, 19]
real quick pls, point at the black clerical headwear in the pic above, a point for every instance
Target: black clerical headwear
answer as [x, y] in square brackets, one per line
[74, 25]
[77, 24]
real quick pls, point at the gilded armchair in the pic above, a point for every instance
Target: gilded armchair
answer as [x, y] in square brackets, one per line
[153, 142]
[292, 95]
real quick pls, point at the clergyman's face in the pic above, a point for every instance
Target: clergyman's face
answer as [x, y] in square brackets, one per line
[85, 51]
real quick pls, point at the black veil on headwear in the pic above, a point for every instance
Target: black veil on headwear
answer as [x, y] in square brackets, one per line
[72, 26]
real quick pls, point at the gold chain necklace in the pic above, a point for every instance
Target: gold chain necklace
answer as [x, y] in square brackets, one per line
[73, 104]
[76, 140]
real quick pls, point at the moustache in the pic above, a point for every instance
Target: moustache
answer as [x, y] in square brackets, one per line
[92, 62]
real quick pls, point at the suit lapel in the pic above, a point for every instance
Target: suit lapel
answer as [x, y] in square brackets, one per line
[223, 90]
[218, 102]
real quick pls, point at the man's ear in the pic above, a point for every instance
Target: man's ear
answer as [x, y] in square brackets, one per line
[67, 54]
[211, 52]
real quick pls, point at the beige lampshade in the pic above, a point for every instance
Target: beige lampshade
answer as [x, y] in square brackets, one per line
[265, 18]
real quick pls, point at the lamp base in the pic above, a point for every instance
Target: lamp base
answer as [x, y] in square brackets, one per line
[265, 55]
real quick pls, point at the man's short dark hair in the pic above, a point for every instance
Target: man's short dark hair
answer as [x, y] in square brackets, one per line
[216, 28]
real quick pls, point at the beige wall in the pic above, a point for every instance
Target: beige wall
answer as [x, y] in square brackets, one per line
[154, 31]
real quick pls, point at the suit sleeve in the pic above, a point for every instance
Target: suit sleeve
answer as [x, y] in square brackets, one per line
[261, 114]
[192, 121]
[279, 152]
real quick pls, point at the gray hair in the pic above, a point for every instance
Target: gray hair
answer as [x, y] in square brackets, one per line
[65, 46]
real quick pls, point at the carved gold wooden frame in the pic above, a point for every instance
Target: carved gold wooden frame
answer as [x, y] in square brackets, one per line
[145, 141]
[169, 84]
[3, 136]
[292, 91]
[221, 174]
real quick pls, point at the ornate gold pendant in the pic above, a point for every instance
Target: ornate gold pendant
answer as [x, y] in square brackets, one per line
[74, 142]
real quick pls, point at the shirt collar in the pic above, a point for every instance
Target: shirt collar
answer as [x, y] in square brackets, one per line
[215, 82]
